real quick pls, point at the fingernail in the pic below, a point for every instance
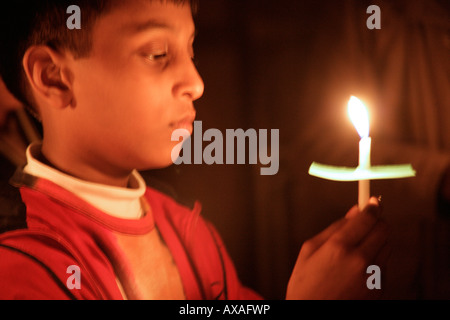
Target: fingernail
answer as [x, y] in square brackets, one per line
[377, 201]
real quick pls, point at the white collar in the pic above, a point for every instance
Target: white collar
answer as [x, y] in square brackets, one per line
[119, 202]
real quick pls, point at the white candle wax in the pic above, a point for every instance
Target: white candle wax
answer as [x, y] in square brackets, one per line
[364, 163]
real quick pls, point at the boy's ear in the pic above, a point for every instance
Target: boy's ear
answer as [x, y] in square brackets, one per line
[49, 79]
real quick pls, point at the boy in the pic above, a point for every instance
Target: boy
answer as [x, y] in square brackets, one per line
[110, 95]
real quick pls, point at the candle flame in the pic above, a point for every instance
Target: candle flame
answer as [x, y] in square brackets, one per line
[359, 116]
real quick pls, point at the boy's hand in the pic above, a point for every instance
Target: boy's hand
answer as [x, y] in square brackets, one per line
[333, 264]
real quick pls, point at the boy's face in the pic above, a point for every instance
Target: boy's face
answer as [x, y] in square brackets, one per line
[136, 87]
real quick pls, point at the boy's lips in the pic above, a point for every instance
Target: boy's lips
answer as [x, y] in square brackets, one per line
[185, 122]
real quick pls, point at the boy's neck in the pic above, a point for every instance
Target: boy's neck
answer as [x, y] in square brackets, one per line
[124, 203]
[88, 174]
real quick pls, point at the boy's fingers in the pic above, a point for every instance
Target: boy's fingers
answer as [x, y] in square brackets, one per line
[317, 241]
[355, 210]
[352, 212]
[357, 227]
[371, 246]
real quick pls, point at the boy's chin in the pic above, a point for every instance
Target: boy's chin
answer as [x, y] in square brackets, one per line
[153, 165]
[163, 159]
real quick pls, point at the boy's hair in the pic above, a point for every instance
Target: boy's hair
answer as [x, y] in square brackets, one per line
[24, 23]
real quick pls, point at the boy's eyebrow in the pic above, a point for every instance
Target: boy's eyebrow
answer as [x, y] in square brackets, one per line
[149, 25]
[146, 25]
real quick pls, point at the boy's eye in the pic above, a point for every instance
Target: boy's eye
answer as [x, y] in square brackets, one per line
[156, 56]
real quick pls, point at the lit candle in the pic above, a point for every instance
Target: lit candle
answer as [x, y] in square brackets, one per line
[360, 119]
[365, 171]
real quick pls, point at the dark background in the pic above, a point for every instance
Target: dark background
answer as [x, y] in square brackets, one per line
[292, 65]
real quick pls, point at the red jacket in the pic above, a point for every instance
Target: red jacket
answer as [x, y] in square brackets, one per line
[63, 230]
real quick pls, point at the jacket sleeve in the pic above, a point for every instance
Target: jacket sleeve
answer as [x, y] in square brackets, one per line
[24, 277]
[37, 267]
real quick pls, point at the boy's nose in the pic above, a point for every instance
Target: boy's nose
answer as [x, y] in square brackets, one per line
[191, 84]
